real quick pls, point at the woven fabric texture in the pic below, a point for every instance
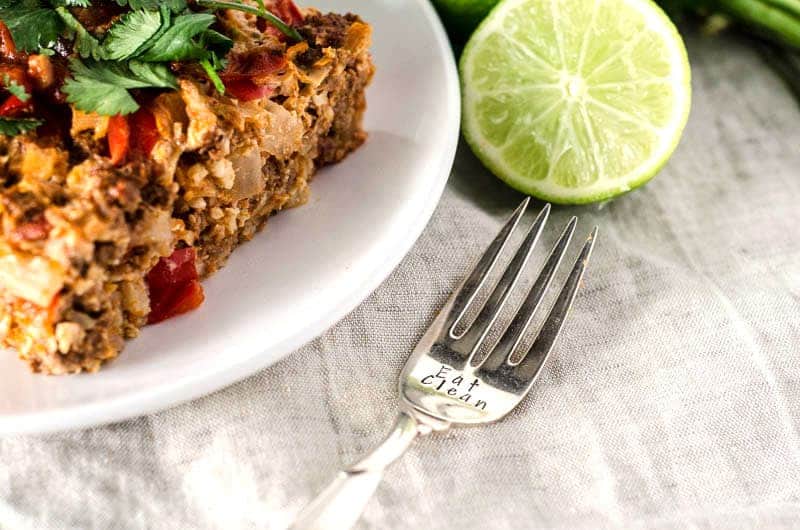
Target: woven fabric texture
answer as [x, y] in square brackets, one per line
[672, 399]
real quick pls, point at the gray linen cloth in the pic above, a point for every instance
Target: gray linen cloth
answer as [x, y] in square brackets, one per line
[672, 400]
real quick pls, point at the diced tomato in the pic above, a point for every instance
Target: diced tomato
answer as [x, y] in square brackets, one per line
[179, 268]
[258, 66]
[144, 131]
[13, 106]
[251, 76]
[174, 286]
[119, 135]
[183, 300]
[287, 11]
[245, 90]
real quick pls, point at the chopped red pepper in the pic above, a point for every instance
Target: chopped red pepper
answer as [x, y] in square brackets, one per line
[144, 131]
[174, 286]
[119, 134]
[137, 132]
[13, 107]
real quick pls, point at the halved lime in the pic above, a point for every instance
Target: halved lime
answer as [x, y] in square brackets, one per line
[575, 101]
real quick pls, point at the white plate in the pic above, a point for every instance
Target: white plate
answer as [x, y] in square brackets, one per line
[308, 269]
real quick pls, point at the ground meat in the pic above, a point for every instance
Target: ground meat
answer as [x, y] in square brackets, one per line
[327, 31]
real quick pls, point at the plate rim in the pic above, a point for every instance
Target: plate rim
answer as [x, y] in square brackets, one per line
[198, 385]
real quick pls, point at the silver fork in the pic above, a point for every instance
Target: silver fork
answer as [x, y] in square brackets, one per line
[442, 385]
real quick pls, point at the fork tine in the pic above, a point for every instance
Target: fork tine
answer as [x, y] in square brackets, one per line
[475, 335]
[532, 363]
[513, 334]
[469, 289]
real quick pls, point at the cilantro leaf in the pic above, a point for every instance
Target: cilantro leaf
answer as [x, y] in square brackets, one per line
[129, 35]
[15, 126]
[176, 6]
[177, 43]
[135, 51]
[133, 74]
[15, 88]
[103, 86]
[71, 3]
[213, 75]
[85, 43]
[32, 25]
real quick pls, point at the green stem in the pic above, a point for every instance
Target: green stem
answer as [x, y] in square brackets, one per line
[790, 6]
[760, 14]
[213, 75]
[263, 13]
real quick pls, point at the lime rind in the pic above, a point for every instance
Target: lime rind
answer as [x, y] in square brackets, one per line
[660, 128]
[463, 16]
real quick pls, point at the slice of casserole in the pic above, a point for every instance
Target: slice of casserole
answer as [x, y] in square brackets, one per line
[110, 220]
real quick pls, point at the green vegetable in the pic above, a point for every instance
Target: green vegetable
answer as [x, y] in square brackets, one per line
[85, 43]
[212, 74]
[134, 53]
[33, 24]
[261, 11]
[128, 36]
[778, 20]
[176, 6]
[15, 126]
[102, 86]
[178, 42]
[15, 88]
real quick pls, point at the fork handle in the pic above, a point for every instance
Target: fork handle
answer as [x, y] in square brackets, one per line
[340, 505]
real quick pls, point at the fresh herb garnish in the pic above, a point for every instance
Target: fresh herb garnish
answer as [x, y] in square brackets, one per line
[85, 43]
[15, 88]
[134, 53]
[15, 126]
[178, 42]
[102, 86]
[128, 36]
[260, 11]
[33, 24]
[176, 6]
